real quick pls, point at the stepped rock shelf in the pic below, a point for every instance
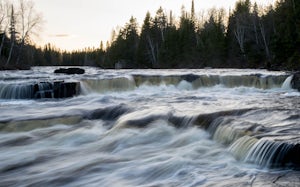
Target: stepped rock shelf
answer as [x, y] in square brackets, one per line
[62, 89]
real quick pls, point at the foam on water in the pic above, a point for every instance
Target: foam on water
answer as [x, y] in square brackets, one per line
[158, 155]
[153, 128]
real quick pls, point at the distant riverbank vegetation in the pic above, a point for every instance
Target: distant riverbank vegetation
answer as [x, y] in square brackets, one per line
[248, 36]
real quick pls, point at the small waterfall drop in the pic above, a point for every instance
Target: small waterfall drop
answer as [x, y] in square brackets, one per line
[272, 154]
[107, 85]
[43, 90]
[242, 146]
[39, 90]
[16, 91]
[287, 83]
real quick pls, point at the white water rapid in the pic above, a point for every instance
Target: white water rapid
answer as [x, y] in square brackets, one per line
[213, 127]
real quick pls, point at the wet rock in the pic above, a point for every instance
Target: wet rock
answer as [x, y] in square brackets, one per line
[66, 89]
[205, 120]
[110, 113]
[296, 81]
[57, 89]
[70, 71]
[20, 125]
[190, 77]
[286, 178]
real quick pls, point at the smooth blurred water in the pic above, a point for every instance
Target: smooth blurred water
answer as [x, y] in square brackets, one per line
[128, 130]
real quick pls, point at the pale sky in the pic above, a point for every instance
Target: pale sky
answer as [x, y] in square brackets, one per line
[76, 24]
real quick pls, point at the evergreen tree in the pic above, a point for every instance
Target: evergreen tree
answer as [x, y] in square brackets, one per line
[193, 11]
[146, 57]
[212, 40]
[287, 33]
[123, 49]
[238, 34]
[170, 50]
[187, 38]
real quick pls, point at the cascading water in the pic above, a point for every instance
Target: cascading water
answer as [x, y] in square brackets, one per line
[15, 91]
[287, 83]
[106, 85]
[149, 128]
[39, 90]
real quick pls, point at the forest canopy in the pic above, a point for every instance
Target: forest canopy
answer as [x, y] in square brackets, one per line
[248, 36]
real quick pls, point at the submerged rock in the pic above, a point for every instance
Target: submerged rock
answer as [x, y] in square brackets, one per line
[70, 71]
[296, 81]
[190, 77]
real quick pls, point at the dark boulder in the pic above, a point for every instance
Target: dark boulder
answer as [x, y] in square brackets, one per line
[66, 89]
[296, 81]
[70, 71]
[110, 113]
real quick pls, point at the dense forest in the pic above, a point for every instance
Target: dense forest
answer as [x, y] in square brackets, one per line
[248, 36]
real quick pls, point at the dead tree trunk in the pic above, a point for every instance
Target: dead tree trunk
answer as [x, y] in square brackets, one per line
[263, 34]
[152, 52]
[10, 53]
[240, 37]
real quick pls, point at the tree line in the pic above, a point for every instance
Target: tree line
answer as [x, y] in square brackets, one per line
[18, 24]
[248, 36]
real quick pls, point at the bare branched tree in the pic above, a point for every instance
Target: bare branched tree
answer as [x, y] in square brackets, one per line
[152, 52]
[4, 22]
[12, 31]
[30, 22]
[264, 38]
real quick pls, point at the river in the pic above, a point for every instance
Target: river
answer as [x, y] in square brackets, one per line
[210, 127]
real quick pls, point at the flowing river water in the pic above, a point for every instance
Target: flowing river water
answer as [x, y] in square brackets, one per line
[213, 127]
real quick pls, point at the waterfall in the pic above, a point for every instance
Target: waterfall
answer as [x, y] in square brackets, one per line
[43, 90]
[26, 91]
[262, 152]
[272, 154]
[56, 89]
[107, 85]
[16, 91]
[242, 146]
[245, 141]
[188, 82]
[287, 83]
[199, 81]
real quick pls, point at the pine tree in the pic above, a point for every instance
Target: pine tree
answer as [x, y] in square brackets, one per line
[212, 40]
[286, 41]
[146, 54]
[123, 49]
[193, 11]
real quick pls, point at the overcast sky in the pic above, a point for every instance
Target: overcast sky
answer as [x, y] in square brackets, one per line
[76, 24]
